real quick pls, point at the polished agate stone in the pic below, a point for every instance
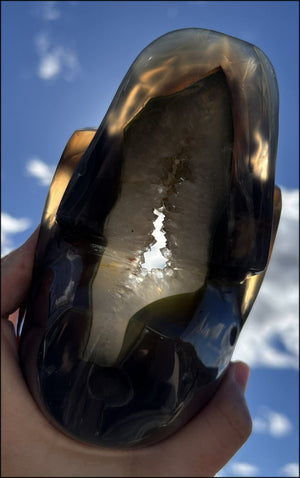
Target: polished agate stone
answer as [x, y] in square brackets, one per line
[154, 241]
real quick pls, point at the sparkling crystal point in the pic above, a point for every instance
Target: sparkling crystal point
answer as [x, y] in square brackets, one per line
[154, 241]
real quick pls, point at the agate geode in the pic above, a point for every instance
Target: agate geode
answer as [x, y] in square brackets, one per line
[154, 241]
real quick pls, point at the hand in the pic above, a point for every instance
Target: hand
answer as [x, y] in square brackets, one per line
[31, 446]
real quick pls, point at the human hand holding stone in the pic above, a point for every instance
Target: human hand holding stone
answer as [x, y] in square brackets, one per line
[31, 446]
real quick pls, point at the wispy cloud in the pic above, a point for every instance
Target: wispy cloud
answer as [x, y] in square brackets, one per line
[240, 468]
[49, 10]
[270, 337]
[9, 227]
[290, 469]
[272, 423]
[221, 473]
[55, 60]
[41, 171]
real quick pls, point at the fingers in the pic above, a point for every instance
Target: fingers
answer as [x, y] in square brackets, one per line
[16, 272]
[210, 440]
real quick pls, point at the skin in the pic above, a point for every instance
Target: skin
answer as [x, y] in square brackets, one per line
[31, 446]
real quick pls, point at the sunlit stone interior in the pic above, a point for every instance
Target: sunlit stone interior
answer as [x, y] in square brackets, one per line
[177, 159]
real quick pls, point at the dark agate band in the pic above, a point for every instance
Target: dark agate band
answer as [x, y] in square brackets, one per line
[123, 343]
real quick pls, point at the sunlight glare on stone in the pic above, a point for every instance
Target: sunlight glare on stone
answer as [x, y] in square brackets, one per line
[153, 258]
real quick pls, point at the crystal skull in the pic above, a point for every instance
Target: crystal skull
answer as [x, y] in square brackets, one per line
[154, 241]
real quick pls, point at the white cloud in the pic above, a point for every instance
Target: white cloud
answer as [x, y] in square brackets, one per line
[270, 337]
[239, 468]
[221, 473]
[55, 60]
[290, 469]
[42, 43]
[49, 66]
[49, 10]
[9, 226]
[272, 423]
[41, 171]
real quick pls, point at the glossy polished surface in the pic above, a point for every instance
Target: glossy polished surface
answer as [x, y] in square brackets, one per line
[155, 239]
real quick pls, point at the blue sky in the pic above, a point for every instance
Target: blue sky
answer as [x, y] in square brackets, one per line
[62, 63]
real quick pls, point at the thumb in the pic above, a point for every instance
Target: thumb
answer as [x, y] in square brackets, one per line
[16, 273]
[211, 439]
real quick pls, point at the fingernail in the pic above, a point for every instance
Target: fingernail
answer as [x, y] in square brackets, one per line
[242, 372]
